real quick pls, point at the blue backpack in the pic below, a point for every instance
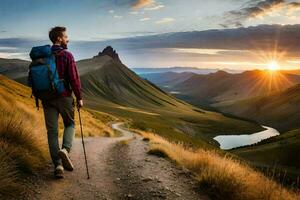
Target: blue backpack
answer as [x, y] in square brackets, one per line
[43, 77]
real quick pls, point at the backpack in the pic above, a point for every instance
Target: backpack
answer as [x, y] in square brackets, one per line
[43, 76]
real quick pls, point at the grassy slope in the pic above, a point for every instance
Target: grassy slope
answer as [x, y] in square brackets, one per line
[94, 121]
[115, 89]
[280, 110]
[23, 147]
[13, 68]
[279, 152]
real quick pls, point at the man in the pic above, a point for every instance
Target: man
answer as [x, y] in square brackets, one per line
[63, 104]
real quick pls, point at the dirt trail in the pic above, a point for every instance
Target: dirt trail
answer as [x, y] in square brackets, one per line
[118, 171]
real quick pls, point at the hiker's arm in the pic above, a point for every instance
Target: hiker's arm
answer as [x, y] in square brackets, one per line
[74, 77]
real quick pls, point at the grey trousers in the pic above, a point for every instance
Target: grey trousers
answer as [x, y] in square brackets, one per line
[52, 108]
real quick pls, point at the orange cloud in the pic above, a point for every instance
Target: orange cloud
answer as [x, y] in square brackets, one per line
[142, 3]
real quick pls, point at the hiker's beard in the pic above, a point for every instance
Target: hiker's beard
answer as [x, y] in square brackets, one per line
[64, 45]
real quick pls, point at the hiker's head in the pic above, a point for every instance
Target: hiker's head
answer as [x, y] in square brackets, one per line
[58, 35]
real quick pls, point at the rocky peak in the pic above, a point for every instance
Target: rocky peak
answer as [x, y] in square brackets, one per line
[109, 51]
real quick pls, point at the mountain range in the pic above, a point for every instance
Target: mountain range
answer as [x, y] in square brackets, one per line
[221, 86]
[149, 70]
[111, 87]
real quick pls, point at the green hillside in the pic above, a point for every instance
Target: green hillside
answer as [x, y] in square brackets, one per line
[13, 68]
[279, 153]
[280, 110]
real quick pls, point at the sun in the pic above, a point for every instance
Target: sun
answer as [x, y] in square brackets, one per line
[273, 66]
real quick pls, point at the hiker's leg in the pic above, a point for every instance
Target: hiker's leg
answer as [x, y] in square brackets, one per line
[67, 109]
[69, 133]
[51, 120]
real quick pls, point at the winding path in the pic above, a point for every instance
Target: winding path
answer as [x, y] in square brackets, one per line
[119, 170]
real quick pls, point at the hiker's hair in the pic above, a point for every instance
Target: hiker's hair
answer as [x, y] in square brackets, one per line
[56, 32]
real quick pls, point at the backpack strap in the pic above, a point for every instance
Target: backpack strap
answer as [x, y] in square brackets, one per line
[56, 53]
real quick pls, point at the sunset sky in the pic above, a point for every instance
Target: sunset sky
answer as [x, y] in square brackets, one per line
[161, 33]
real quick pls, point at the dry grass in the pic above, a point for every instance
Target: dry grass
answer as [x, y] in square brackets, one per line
[220, 175]
[22, 148]
[12, 93]
[8, 176]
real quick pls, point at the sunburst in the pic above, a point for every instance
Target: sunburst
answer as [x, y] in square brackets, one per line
[273, 65]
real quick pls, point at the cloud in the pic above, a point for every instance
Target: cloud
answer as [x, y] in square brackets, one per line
[294, 5]
[111, 11]
[257, 9]
[3, 48]
[235, 42]
[165, 20]
[263, 38]
[145, 19]
[23, 56]
[134, 12]
[155, 7]
[118, 16]
[142, 3]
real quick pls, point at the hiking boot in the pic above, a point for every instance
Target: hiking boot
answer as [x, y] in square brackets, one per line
[59, 171]
[64, 156]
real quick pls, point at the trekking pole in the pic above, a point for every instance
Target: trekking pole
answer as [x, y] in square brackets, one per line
[86, 164]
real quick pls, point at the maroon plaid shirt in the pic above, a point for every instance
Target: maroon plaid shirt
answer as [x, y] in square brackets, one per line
[67, 70]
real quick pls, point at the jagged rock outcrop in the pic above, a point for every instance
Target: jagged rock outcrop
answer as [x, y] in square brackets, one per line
[109, 51]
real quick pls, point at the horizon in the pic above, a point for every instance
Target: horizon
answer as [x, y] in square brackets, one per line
[234, 35]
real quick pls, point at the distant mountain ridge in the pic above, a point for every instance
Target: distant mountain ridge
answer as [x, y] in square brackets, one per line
[167, 79]
[149, 70]
[205, 90]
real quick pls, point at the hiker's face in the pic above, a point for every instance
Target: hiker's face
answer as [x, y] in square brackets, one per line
[63, 40]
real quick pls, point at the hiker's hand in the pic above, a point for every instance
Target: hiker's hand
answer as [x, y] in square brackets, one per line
[79, 104]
